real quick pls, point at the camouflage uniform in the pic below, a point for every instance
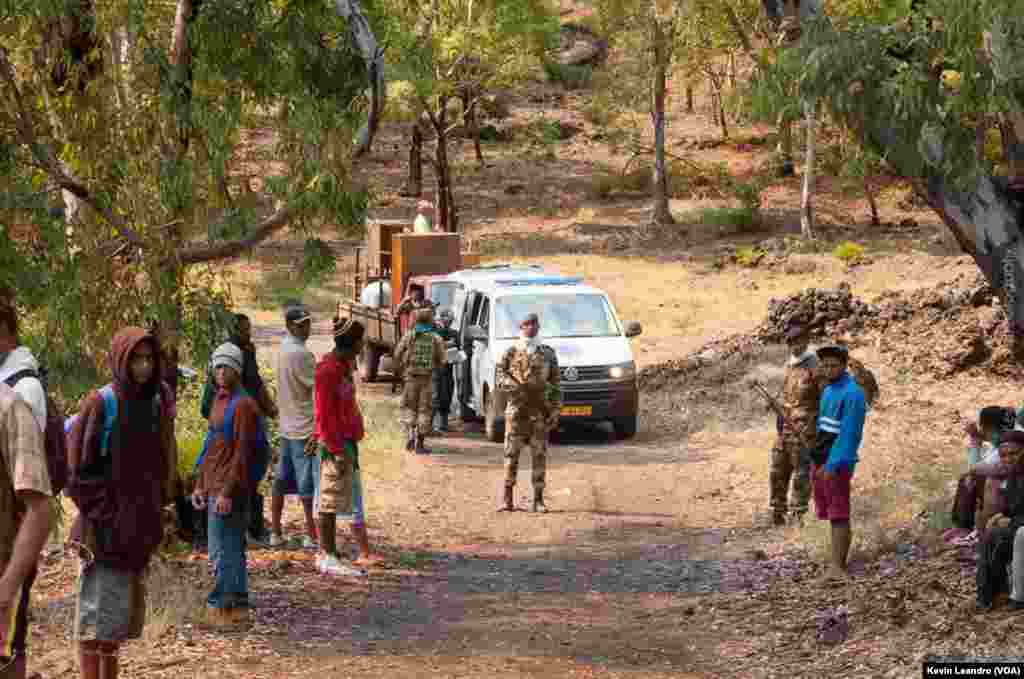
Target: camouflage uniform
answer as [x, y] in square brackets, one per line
[419, 353]
[791, 454]
[531, 383]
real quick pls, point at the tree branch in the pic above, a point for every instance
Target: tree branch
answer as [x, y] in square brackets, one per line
[51, 164]
[263, 230]
[366, 41]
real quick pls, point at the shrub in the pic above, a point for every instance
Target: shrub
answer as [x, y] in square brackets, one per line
[571, 77]
[740, 218]
[748, 255]
[849, 252]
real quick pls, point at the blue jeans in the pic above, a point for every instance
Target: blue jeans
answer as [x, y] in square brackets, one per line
[227, 552]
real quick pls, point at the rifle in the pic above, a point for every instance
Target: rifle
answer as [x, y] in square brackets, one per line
[773, 404]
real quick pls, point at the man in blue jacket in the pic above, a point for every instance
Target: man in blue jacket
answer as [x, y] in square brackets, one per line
[840, 428]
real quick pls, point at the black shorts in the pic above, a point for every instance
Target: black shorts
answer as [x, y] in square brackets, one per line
[17, 630]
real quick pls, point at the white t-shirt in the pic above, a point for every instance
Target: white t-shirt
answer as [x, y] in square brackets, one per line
[29, 389]
[296, 373]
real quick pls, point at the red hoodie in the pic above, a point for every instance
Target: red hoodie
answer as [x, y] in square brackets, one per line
[335, 409]
[119, 497]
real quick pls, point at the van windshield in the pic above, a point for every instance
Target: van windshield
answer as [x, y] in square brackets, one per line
[443, 294]
[560, 316]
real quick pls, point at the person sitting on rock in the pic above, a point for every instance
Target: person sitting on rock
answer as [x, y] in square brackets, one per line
[975, 499]
[995, 548]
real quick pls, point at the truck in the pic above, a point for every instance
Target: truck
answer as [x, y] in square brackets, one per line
[394, 260]
[578, 321]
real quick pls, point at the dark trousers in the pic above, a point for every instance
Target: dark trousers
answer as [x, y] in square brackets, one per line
[444, 389]
[995, 552]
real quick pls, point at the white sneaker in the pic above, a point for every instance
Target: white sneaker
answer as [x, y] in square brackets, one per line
[275, 540]
[309, 543]
[328, 564]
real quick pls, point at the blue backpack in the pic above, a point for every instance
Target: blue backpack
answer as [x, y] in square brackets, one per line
[261, 454]
[109, 417]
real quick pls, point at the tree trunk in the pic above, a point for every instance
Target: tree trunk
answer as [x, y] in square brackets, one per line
[662, 55]
[806, 196]
[414, 187]
[689, 98]
[445, 204]
[365, 40]
[469, 117]
[869, 191]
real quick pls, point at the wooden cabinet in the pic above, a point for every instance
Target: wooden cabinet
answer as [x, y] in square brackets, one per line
[378, 244]
[421, 254]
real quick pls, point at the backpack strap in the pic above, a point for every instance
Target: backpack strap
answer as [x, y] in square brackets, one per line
[226, 429]
[19, 376]
[109, 417]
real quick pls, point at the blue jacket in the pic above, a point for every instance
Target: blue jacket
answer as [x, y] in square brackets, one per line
[841, 412]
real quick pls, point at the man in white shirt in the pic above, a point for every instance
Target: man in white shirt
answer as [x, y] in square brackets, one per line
[18, 367]
[298, 467]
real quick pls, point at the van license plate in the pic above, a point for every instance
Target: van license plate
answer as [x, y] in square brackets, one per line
[577, 411]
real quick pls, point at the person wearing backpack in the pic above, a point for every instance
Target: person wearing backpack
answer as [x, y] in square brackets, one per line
[19, 369]
[420, 352]
[228, 464]
[120, 459]
[24, 523]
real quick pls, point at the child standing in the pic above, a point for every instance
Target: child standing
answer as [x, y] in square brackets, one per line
[223, 483]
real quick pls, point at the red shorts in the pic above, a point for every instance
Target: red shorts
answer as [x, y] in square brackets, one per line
[832, 497]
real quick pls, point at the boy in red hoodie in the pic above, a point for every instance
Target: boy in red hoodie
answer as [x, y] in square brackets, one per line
[339, 428]
[119, 464]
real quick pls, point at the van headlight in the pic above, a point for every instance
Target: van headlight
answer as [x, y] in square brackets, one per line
[622, 371]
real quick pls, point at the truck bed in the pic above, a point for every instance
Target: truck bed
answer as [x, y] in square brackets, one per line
[381, 323]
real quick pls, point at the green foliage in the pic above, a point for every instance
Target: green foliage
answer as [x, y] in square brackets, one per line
[285, 84]
[849, 252]
[739, 218]
[573, 77]
[748, 255]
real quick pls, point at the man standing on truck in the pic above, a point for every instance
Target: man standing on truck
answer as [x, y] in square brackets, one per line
[419, 353]
[528, 374]
[444, 377]
[416, 299]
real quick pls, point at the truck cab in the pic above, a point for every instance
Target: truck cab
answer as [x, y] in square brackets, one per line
[595, 358]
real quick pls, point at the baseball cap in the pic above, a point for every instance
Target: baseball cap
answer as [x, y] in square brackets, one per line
[530, 318]
[836, 350]
[296, 313]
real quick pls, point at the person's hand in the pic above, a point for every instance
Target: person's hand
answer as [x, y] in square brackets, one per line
[223, 505]
[311, 445]
[998, 521]
[198, 499]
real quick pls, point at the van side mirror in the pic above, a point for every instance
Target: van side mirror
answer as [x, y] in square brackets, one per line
[477, 334]
[633, 328]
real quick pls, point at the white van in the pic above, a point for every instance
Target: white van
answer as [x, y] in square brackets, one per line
[598, 372]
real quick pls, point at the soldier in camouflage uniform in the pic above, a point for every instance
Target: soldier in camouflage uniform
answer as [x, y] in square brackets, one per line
[419, 353]
[864, 378]
[528, 374]
[791, 457]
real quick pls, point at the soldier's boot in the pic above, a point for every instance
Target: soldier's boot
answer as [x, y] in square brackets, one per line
[508, 502]
[538, 501]
[410, 439]
[435, 423]
[443, 417]
[421, 448]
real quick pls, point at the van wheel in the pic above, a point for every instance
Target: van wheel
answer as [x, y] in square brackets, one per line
[625, 427]
[493, 429]
[369, 361]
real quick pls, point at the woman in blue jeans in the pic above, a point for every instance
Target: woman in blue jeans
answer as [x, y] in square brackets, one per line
[230, 456]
